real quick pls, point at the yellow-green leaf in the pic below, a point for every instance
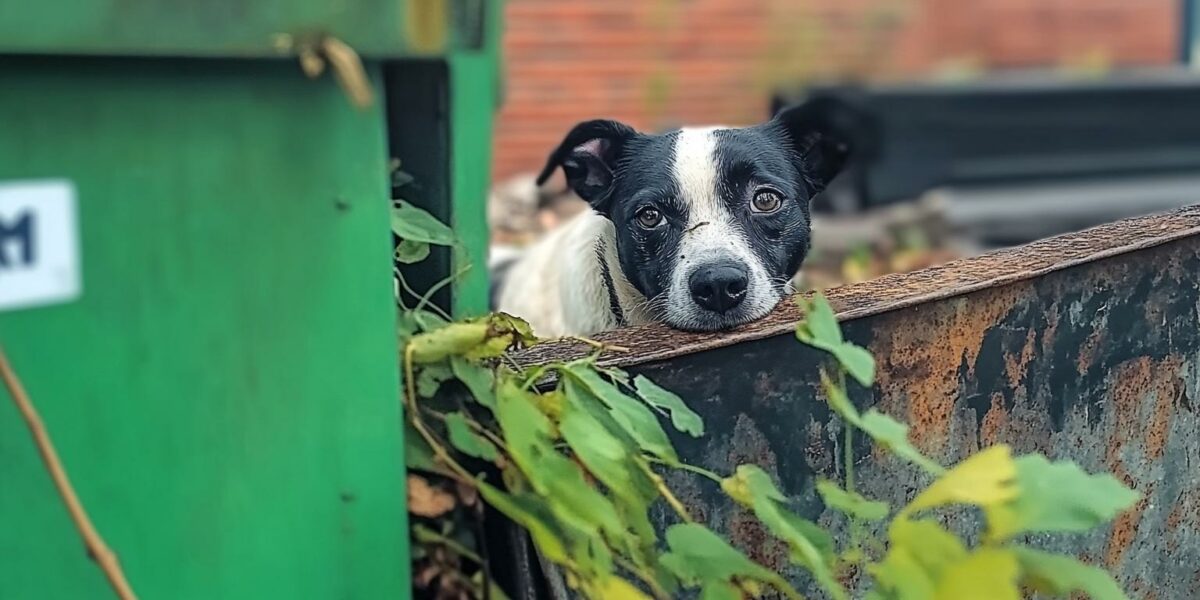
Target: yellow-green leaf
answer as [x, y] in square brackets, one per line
[619, 589]
[893, 436]
[1058, 496]
[632, 414]
[1060, 575]
[902, 576]
[987, 478]
[530, 514]
[987, 574]
[839, 401]
[850, 503]
[930, 545]
[440, 344]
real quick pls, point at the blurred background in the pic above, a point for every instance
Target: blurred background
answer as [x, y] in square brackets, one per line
[1000, 121]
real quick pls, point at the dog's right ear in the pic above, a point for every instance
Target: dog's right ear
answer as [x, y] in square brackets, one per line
[588, 156]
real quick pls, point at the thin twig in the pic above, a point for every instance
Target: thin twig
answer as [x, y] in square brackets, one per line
[642, 574]
[666, 492]
[601, 346]
[441, 284]
[686, 467]
[97, 549]
[429, 536]
[410, 396]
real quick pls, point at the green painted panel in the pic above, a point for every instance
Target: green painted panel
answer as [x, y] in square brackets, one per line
[245, 28]
[474, 98]
[224, 394]
[472, 104]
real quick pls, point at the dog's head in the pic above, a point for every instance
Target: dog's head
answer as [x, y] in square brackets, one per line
[711, 223]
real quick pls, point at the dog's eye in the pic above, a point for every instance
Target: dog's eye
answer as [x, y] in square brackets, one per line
[765, 201]
[649, 217]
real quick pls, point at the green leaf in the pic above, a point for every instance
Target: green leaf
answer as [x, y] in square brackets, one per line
[987, 478]
[683, 418]
[989, 573]
[605, 456]
[851, 503]
[633, 415]
[553, 476]
[409, 252]
[720, 590]
[1059, 575]
[1058, 496]
[820, 324]
[767, 503]
[477, 378]
[697, 555]
[416, 224]
[466, 440]
[530, 514]
[430, 378]
[893, 436]
[839, 401]
[857, 361]
[417, 453]
[820, 330]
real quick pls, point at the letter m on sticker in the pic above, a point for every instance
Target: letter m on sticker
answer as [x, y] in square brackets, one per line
[17, 239]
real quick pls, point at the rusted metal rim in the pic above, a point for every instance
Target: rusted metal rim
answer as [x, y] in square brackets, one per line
[894, 292]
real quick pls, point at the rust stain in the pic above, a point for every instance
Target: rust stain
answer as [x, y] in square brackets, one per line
[1130, 385]
[1015, 364]
[923, 358]
[749, 534]
[1160, 425]
[1124, 531]
[1184, 516]
[1127, 384]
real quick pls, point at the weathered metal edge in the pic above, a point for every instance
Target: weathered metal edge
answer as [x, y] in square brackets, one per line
[652, 343]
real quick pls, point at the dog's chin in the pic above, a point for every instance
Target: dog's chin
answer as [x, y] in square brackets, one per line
[700, 320]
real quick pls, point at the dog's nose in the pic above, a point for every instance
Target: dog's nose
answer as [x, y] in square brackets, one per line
[719, 287]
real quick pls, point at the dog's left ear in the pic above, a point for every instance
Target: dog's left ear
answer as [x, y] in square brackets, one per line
[824, 131]
[588, 156]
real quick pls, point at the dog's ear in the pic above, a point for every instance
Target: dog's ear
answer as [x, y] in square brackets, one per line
[824, 131]
[588, 156]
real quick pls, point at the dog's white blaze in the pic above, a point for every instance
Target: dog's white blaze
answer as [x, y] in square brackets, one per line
[712, 234]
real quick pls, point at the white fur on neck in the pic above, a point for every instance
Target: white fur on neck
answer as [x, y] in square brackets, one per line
[558, 284]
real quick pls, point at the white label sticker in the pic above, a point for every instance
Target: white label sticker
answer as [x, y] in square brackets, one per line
[39, 244]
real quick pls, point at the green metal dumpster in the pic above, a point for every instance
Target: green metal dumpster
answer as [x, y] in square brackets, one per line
[195, 283]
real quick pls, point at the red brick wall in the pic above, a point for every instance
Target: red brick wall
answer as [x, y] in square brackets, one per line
[659, 63]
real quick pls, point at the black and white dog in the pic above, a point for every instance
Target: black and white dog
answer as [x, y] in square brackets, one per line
[699, 228]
